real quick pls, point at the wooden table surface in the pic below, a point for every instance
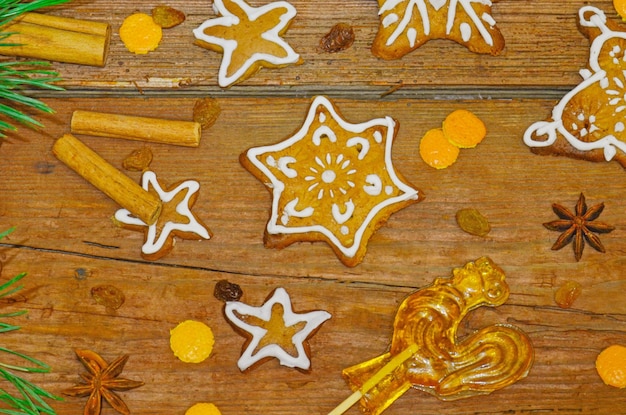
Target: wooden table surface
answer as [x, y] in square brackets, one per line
[66, 241]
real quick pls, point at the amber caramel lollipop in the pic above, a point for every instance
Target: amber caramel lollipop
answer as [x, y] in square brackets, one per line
[425, 353]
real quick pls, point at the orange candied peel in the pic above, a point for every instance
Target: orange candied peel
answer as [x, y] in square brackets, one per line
[192, 341]
[620, 6]
[611, 365]
[464, 129]
[203, 408]
[436, 150]
[140, 33]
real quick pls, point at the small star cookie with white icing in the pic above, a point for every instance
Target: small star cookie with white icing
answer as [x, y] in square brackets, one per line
[405, 25]
[249, 37]
[274, 330]
[175, 219]
[331, 181]
[588, 122]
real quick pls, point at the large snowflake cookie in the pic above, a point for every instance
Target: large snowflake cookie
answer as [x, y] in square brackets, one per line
[331, 181]
[407, 24]
[175, 219]
[274, 330]
[249, 37]
[589, 122]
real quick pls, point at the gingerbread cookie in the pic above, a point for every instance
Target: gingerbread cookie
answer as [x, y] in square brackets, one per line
[274, 330]
[331, 181]
[405, 25]
[588, 122]
[249, 37]
[175, 219]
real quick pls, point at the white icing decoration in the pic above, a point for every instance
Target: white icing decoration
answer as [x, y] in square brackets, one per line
[411, 34]
[608, 143]
[466, 32]
[283, 166]
[374, 185]
[229, 46]
[290, 210]
[388, 190]
[323, 131]
[390, 19]
[376, 127]
[619, 126]
[487, 18]
[155, 241]
[329, 176]
[340, 217]
[438, 4]
[236, 311]
[359, 141]
[344, 230]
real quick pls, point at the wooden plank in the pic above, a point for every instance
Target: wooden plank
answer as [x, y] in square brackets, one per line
[63, 225]
[544, 50]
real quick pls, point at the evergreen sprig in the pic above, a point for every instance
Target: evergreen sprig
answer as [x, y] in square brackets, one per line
[27, 398]
[16, 76]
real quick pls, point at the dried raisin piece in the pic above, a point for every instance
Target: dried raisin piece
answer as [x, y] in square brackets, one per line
[227, 291]
[206, 111]
[567, 294]
[473, 222]
[167, 17]
[340, 37]
[138, 160]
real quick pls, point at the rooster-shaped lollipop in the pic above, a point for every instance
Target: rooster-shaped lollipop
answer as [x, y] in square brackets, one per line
[437, 362]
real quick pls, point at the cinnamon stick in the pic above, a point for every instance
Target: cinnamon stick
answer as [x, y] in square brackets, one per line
[97, 171]
[157, 130]
[60, 39]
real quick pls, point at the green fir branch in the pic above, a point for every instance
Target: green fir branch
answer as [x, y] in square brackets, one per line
[18, 75]
[28, 398]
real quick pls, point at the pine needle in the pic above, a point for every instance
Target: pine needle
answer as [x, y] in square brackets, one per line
[28, 398]
[18, 75]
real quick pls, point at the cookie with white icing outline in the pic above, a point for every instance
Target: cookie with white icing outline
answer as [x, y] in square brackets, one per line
[589, 122]
[175, 219]
[331, 181]
[249, 37]
[405, 25]
[274, 330]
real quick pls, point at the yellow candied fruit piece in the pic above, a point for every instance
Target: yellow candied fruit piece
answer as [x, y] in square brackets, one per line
[436, 150]
[203, 408]
[611, 366]
[620, 6]
[192, 341]
[464, 129]
[140, 33]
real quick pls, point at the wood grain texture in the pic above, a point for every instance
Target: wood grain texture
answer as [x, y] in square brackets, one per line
[66, 241]
[544, 49]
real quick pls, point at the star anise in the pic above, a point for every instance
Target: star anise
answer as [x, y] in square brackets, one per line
[101, 381]
[579, 226]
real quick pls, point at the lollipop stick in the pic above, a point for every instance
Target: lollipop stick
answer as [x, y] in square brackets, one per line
[396, 361]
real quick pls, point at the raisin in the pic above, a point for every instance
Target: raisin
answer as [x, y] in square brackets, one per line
[167, 17]
[138, 160]
[206, 111]
[567, 294]
[340, 37]
[227, 291]
[472, 222]
[109, 296]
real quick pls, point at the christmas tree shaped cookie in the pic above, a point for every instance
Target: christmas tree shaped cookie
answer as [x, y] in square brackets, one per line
[589, 122]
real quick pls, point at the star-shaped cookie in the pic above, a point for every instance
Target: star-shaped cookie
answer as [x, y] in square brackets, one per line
[274, 330]
[331, 181]
[405, 25]
[249, 37]
[175, 219]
